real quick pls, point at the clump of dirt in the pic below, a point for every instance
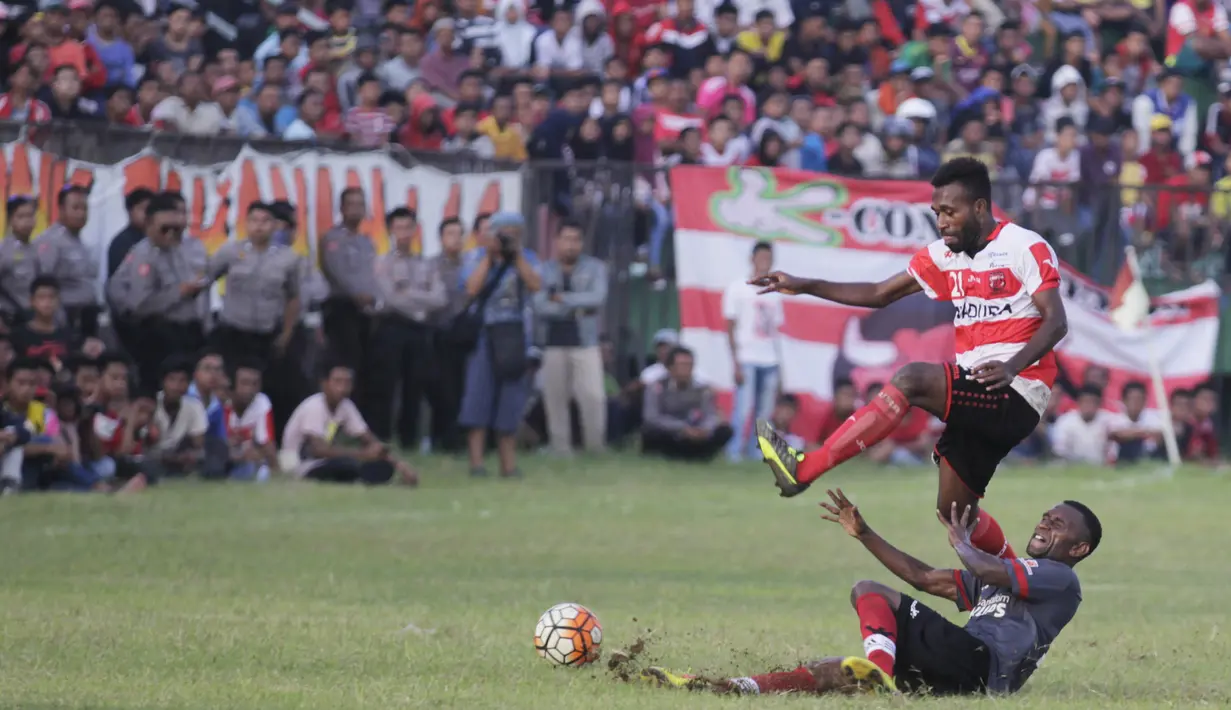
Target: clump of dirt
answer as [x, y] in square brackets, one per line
[625, 664]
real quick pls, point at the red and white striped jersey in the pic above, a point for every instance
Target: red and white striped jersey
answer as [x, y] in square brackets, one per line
[992, 294]
[255, 424]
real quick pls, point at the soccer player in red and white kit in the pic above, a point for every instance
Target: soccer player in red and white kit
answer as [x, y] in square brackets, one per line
[1003, 281]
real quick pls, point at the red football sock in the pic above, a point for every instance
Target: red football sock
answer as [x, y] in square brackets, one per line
[879, 626]
[799, 680]
[988, 536]
[872, 423]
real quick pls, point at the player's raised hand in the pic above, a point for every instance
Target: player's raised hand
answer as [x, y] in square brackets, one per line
[777, 282]
[994, 374]
[844, 513]
[958, 526]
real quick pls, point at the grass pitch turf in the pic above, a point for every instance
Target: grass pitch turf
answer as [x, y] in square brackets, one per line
[304, 596]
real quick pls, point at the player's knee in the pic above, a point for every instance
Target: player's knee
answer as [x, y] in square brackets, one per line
[915, 379]
[867, 586]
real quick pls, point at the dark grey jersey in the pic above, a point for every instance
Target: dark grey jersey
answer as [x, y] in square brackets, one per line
[1019, 623]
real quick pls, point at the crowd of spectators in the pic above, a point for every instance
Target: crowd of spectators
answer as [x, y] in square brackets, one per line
[1062, 98]
[1071, 97]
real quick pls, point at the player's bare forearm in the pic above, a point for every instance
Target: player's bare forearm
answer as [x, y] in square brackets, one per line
[1051, 331]
[864, 295]
[919, 575]
[988, 568]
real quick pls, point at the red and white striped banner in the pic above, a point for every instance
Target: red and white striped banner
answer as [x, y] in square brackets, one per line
[828, 227]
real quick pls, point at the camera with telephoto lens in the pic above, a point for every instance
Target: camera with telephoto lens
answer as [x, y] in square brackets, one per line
[508, 245]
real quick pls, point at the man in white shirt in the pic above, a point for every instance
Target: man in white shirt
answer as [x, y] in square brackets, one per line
[181, 424]
[1136, 431]
[1083, 434]
[311, 445]
[753, 323]
[558, 50]
[189, 112]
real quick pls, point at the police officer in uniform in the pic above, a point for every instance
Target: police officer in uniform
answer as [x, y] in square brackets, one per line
[17, 263]
[260, 309]
[410, 291]
[347, 259]
[157, 291]
[59, 252]
[444, 392]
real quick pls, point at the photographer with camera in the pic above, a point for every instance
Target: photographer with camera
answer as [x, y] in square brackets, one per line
[500, 276]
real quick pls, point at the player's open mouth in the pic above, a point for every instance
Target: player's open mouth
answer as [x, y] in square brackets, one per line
[1040, 538]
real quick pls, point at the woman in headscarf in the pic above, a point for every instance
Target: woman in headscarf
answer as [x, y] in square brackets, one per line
[514, 36]
[618, 138]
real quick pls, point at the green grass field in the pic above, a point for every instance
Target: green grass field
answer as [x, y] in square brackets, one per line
[302, 596]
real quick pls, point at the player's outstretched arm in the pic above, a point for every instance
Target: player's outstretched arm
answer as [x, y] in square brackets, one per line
[865, 295]
[988, 568]
[937, 582]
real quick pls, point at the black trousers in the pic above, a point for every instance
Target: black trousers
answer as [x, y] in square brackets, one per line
[153, 340]
[671, 446]
[444, 394]
[84, 320]
[281, 375]
[348, 330]
[400, 360]
[370, 473]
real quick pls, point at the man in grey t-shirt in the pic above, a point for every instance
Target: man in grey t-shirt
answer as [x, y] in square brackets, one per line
[1017, 608]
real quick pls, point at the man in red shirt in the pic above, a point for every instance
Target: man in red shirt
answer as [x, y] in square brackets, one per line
[1161, 162]
[842, 407]
[118, 427]
[19, 104]
[65, 49]
[1192, 196]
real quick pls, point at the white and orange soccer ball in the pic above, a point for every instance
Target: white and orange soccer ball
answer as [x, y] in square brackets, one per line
[568, 635]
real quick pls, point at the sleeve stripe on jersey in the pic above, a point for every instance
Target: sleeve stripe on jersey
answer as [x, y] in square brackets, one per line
[1023, 584]
[934, 282]
[962, 599]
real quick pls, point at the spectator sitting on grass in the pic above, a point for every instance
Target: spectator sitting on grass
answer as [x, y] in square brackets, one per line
[117, 428]
[13, 437]
[680, 417]
[1136, 431]
[206, 379]
[1082, 435]
[41, 451]
[181, 422]
[783, 418]
[250, 427]
[327, 439]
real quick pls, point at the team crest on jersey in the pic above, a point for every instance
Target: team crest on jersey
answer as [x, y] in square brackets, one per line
[996, 282]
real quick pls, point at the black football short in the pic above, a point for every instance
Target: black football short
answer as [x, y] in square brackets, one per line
[936, 656]
[981, 427]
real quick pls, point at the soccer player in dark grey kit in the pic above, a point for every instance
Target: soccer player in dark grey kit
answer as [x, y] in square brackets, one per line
[1017, 608]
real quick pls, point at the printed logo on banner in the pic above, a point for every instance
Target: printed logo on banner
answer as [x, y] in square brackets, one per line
[899, 224]
[754, 206]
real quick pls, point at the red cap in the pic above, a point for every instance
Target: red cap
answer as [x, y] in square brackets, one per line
[80, 4]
